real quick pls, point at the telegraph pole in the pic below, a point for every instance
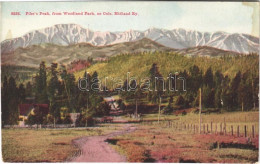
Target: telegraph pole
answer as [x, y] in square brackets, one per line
[159, 109]
[200, 112]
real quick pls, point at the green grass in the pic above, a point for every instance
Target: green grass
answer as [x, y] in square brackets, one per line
[29, 145]
[235, 119]
[230, 117]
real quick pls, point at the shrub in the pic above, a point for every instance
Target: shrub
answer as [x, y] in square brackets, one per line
[135, 152]
[167, 110]
[81, 121]
[180, 101]
[67, 120]
[90, 121]
[184, 113]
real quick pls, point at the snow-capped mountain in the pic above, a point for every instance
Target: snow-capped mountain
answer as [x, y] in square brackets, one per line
[68, 34]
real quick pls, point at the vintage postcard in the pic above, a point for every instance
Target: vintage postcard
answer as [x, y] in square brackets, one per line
[130, 81]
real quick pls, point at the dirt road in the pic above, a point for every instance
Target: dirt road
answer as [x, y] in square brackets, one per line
[95, 149]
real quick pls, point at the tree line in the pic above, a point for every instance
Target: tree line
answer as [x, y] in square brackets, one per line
[219, 91]
[56, 87]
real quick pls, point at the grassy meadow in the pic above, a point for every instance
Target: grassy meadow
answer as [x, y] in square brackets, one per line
[151, 142]
[45, 145]
[161, 143]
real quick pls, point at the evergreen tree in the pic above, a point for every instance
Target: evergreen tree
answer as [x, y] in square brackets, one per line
[195, 80]
[157, 83]
[218, 100]
[55, 111]
[208, 78]
[5, 101]
[83, 100]
[71, 89]
[41, 85]
[13, 101]
[21, 93]
[234, 90]
[245, 96]
[53, 86]
[95, 83]
[180, 101]
[208, 97]
[219, 85]
[29, 89]
[255, 90]
[218, 78]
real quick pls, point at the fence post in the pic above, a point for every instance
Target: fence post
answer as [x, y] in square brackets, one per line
[238, 131]
[220, 128]
[245, 131]
[224, 128]
[253, 131]
[207, 128]
[216, 129]
[232, 130]
[211, 128]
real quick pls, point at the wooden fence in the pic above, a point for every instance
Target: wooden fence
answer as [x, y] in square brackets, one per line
[210, 128]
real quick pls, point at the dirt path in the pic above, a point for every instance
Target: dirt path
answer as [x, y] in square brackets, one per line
[95, 149]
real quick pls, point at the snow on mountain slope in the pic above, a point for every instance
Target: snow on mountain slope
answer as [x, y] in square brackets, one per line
[69, 34]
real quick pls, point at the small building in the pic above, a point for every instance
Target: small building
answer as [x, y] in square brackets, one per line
[26, 109]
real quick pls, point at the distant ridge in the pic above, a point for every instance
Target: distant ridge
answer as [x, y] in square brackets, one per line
[34, 54]
[70, 34]
[206, 51]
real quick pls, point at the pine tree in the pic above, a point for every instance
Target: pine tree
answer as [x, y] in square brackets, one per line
[245, 96]
[41, 85]
[195, 80]
[5, 102]
[208, 78]
[95, 83]
[29, 89]
[71, 90]
[13, 101]
[234, 90]
[53, 86]
[156, 83]
[83, 100]
[21, 93]
[208, 95]
[218, 100]
[219, 85]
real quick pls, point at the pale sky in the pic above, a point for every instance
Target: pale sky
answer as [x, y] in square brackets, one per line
[232, 17]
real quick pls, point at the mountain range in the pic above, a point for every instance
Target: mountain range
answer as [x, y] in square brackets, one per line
[32, 55]
[72, 34]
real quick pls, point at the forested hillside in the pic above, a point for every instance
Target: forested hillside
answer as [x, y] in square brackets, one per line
[227, 82]
[139, 64]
